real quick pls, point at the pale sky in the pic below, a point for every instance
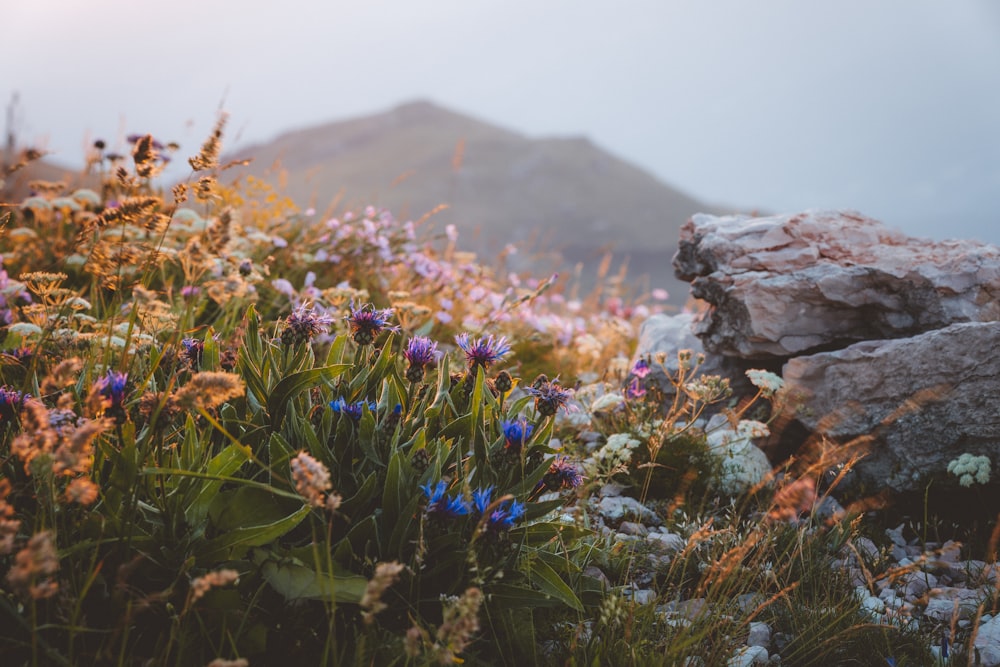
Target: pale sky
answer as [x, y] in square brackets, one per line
[889, 107]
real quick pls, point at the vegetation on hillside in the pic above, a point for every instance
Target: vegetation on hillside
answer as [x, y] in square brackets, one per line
[232, 434]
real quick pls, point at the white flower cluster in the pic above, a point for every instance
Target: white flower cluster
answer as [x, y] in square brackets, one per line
[768, 383]
[615, 453]
[744, 465]
[970, 469]
[608, 402]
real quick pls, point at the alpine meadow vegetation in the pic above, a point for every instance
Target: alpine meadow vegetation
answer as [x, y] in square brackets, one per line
[233, 432]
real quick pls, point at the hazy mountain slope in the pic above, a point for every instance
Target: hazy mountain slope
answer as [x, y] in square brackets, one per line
[502, 187]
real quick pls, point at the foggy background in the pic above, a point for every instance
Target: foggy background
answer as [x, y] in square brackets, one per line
[890, 108]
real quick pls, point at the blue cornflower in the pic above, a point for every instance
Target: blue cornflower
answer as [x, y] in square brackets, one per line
[442, 505]
[504, 515]
[549, 396]
[483, 351]
[419, 352]
[367, 323]
[193, 349]
[11, 401]
[562, 474]
[304, 324]
[112, 388]
[516, 432]
[353, 410]
[482, 498]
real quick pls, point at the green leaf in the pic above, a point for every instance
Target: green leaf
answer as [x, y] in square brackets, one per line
[510, 596]
[223, 464]
[393, 495]
[296, 581]
[290, 387]
[233, 543]
[247, 507]
[545, 578]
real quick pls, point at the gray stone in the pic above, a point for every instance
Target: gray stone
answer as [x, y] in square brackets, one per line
[616, 508]
[633, 528]
[760, 634]
[747, 656]
[792, 284]
[910, 405]
[662, 337]
[667, 542]
[988, 642]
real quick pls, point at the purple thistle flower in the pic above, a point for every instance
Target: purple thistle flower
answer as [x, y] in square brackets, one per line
[483, 351]
[419, 352]
[516, 432]
[190, 291]
[11, 401]
[353, 410]
[439, 504]
[303, 325]
[549, 397]
[562, 474]
[367, 323]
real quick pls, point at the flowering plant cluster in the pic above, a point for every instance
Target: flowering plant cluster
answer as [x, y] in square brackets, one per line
[238, 417]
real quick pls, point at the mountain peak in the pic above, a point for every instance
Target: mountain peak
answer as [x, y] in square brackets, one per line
[501, 187]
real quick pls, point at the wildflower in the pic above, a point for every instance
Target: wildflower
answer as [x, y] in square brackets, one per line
[386, 574]
[460, 623]
[311, 477]
[607, 403]
[193, 349]
[8, 524]
[413, 642]
[635, 389]
[333, 502]
[708, 389]
[207, 582]
[549, 397]
[481, 499]
[768, 383]
[419, 352]
[516, 432]
[190, 292]
[34, 566]
[641, 368]
[36, 437]
[11, 401]
[442, 505]
[352, 410]
[209, 389]
[303, 325]
[111, 388]
[503, 382]
[562, 474]
[505, 516]
[970, 469]
[367, 323]
[76, 441]
[82, 491]
[483, 351]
